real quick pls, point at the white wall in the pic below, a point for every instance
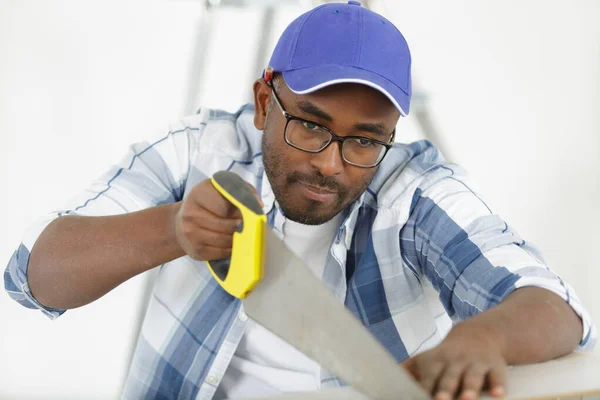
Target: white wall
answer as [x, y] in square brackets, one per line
[79, 81]
[514, 89]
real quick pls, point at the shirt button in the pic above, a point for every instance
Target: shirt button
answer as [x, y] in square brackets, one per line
[243, 316]
[212, 379]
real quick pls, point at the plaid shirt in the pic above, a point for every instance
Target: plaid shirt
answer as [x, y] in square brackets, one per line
[416, 252]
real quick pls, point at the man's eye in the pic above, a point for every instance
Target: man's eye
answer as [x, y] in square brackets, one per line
[364, 142]
[310, 126]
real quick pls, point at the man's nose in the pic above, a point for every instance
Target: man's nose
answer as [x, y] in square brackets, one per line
[329, 161]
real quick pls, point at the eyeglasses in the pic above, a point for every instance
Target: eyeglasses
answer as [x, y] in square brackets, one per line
[311, 137]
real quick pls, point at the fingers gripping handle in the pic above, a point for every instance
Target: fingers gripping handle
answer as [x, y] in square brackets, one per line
[243, 271]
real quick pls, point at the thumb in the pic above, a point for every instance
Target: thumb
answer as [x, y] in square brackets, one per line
[256, 195]
[411, 367]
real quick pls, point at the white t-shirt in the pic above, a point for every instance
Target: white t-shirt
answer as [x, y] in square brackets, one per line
[263, 364]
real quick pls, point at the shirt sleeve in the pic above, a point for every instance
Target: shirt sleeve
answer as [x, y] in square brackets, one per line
[151, 174]
[472, 257]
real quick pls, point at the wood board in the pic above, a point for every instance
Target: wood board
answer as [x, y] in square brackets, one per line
[572, 376]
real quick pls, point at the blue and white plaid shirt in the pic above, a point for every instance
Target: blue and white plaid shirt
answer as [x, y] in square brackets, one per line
[418, 250]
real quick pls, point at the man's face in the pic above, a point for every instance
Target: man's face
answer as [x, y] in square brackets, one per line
[312, 188]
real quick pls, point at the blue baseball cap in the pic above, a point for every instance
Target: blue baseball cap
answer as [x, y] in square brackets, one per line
[345, 43]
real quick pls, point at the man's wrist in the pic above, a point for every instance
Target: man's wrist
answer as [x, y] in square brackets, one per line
[480, 329]
[172, 216]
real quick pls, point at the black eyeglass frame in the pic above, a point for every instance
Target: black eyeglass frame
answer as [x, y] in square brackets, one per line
[334, 138]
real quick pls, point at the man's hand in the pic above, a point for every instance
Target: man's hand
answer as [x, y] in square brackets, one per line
[466, 362]
[531, 325]
[205, 223]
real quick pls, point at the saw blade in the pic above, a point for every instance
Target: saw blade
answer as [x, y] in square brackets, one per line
[293, 304]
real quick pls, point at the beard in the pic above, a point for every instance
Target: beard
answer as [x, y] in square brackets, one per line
[285, 185]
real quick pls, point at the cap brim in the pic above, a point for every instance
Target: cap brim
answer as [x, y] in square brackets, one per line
[308, 80]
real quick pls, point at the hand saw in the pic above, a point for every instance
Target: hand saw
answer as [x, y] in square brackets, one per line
[284, 296]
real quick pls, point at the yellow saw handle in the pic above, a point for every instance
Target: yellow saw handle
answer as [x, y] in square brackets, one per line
[239, 274]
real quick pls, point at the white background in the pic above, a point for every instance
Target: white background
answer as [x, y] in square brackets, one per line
[513, 87]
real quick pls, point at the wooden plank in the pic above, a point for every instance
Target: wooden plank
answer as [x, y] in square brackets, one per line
[573, 376]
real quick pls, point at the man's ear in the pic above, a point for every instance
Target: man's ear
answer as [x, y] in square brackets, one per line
[262, 97]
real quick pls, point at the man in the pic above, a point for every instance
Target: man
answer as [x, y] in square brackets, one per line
[393, 230]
